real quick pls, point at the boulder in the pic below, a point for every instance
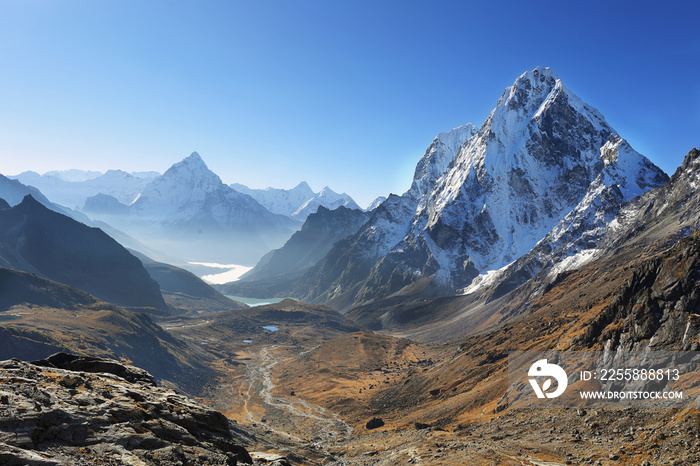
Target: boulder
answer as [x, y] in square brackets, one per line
[374, 423]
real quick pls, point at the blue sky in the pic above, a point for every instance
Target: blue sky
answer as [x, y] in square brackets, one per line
[347, 94]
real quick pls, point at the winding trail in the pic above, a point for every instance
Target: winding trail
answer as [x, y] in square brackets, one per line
[287, 415]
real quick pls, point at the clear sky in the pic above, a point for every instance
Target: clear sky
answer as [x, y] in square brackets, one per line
[344, 93]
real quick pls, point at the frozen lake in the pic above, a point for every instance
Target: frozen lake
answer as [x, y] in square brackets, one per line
[220, 273]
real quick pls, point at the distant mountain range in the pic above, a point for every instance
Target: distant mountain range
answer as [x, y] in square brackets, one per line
[299, 202]
[71, 188]
[14, 191]
[187, 212]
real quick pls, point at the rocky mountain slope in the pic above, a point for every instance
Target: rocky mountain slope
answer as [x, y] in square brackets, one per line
[39, 317]
[481, 200]
[278, 271]
[69, 410]
[299, 202]
[191, 213]
[37, 240]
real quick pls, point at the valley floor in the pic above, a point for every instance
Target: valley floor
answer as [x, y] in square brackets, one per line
[309, 397]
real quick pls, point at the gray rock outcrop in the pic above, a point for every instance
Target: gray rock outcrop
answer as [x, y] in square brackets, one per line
[106, 412]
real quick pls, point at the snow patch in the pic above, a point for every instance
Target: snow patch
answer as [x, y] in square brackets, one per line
[482, 281]
[573, 262]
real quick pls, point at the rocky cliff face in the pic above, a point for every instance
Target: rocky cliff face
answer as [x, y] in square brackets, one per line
[481, 200]
[68, 410]
[657, 307]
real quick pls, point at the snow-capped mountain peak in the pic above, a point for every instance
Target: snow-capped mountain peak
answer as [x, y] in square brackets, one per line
[530, 89]
[190, 202]
[180, 192]
[375, 203]
[326, 198]
[192, 169]
[530, 100]
[531, 163]
[326, 191]
[480, 200]
[303, 187]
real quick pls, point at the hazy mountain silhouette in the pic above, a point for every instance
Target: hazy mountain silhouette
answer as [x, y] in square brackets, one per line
[37, 240]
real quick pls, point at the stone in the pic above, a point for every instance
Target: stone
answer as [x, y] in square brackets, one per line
[374, 423]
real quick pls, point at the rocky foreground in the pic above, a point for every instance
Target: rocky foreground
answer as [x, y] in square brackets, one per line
[69, 410]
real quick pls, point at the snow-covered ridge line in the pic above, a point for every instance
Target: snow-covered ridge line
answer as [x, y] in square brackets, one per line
[71, 188]
[299, 202]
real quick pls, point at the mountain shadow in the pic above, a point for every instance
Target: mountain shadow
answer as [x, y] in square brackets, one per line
[37, 240]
